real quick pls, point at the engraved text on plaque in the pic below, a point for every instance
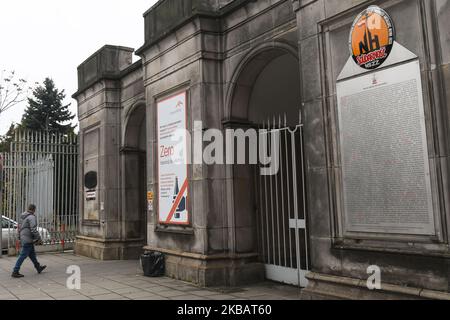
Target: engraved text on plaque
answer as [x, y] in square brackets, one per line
[383, 146]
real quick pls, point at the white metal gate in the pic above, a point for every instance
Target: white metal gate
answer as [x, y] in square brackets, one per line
[41, 169]
[281, 211]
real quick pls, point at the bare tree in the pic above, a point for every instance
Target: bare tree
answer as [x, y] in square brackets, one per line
[13, 90]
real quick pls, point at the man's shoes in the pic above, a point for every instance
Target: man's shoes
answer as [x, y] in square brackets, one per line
[17, 275]
[41, 268]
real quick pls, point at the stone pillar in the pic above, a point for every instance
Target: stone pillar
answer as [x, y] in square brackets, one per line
[99, 110]
[204, 252]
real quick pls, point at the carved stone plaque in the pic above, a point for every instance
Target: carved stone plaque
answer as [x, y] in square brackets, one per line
[385, 166]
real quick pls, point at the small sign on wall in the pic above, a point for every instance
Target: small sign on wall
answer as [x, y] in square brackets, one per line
[371, 38]
[91, 195]
[150, 197]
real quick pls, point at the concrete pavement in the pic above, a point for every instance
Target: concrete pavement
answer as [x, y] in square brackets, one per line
[118, 280]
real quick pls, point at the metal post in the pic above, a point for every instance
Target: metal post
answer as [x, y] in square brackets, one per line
[266, 204]
[304, 198]
[296, 215]
[260, 209]
[283, 212]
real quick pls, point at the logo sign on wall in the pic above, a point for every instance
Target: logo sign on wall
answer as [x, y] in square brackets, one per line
[172, 164]
[371, 38]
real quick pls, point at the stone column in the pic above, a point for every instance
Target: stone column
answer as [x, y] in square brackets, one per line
[190, 59]
[99, 109]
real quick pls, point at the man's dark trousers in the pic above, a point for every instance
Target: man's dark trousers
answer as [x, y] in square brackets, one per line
[27, 251]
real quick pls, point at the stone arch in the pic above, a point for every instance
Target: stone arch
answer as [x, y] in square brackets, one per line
[249, 90]
[248, 71]
[134, 172]
[134, 122]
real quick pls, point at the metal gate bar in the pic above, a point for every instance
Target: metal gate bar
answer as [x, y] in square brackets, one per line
[42, 168]
[282, 227]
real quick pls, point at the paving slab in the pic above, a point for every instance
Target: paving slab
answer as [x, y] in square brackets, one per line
[170, 293]
[188, 298]
[139, 295]
[118, 280]
[34, 296]
[75, 298]
[110, 296]
[127, 290]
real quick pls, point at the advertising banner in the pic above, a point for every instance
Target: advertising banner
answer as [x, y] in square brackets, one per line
[172, 163]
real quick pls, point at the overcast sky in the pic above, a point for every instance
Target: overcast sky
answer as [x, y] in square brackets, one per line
[50, 38]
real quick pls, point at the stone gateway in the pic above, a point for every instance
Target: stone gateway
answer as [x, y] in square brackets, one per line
[364, 163]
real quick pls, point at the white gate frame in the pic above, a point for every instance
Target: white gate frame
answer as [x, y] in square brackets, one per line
[292, 271]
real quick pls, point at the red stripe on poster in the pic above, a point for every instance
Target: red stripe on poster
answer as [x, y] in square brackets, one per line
[177, 201]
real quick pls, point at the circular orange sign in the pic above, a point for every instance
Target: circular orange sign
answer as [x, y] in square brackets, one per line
[371, 38]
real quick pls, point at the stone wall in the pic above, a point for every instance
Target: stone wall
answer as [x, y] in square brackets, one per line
[109, 85]
[323, 41]
[215, 50]
[201, 56]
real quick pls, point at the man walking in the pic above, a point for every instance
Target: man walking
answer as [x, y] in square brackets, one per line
[28, 236]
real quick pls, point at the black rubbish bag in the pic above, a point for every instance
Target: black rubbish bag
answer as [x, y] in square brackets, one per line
[153, 264]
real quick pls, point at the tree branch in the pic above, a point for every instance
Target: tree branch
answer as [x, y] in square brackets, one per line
[13, 91]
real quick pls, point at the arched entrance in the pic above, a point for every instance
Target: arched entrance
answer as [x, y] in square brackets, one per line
[266, 94]
[134, 172]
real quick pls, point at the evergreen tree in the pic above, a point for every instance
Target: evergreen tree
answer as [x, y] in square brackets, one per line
[46, 111]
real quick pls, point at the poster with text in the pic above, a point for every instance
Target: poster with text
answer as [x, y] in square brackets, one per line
[172, 164]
